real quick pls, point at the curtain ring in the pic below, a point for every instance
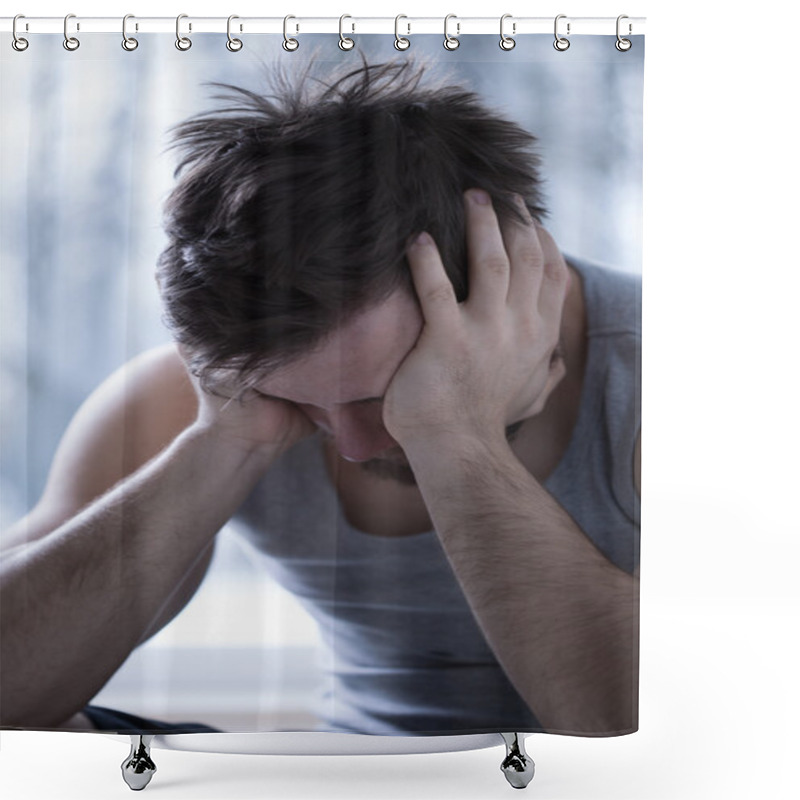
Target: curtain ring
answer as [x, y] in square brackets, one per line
[561, 43]
[451, 42]
[181, 42]
[70, 42]
[344, 42]
[400, 42]
[18, 43]
[234, 45]
[289, 44]
[128, 42]
[623, 45]
[506, 42]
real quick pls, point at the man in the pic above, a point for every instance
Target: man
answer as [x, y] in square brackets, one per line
[386, 373]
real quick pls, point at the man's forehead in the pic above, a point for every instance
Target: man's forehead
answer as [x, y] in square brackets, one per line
[354, 363]
[325, 380]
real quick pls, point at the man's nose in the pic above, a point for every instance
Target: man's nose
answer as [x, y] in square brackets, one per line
[358, 431]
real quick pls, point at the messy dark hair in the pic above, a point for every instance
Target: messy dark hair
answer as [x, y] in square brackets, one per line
[293, 208]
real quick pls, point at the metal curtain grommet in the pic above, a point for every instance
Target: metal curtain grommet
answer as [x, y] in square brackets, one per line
[70, 42]
[451, 42]
[345, 43]
[400, 42]
[289, 44]
[128, 42]
[561, 43]
[506, 42]
[623, 45]
[18, 43]
[182, 42]
[234, 45]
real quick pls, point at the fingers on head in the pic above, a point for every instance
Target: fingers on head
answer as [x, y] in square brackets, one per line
[433, 286]
[485, 244]
[555, 268]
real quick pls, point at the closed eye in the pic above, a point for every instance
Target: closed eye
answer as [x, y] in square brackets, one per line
[362, 401]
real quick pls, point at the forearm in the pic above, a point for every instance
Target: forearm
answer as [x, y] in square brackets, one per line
[561, 619]
[76, 602]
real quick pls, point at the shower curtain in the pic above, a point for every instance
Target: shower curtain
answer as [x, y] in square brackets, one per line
[321, 385]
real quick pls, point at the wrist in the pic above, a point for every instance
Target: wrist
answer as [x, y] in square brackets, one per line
[443, 446]
[223, 448]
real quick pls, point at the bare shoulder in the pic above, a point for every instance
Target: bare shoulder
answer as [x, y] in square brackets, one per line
[131, 417]
[152, 396]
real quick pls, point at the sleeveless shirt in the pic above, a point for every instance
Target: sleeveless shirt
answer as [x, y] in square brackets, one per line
[401, 650]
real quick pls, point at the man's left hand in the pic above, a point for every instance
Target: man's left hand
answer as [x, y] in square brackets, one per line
[492, 360]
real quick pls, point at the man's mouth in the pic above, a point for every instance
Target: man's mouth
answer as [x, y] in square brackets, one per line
[394, 465]
[396, 469]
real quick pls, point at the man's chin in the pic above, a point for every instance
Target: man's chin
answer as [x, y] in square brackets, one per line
[397, 471]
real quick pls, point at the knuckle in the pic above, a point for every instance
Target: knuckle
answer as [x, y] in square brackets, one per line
[496, 264]
[442, 293]
[555, 270]
[531, 255]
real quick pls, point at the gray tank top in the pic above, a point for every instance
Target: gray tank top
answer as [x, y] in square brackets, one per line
[402, 651]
